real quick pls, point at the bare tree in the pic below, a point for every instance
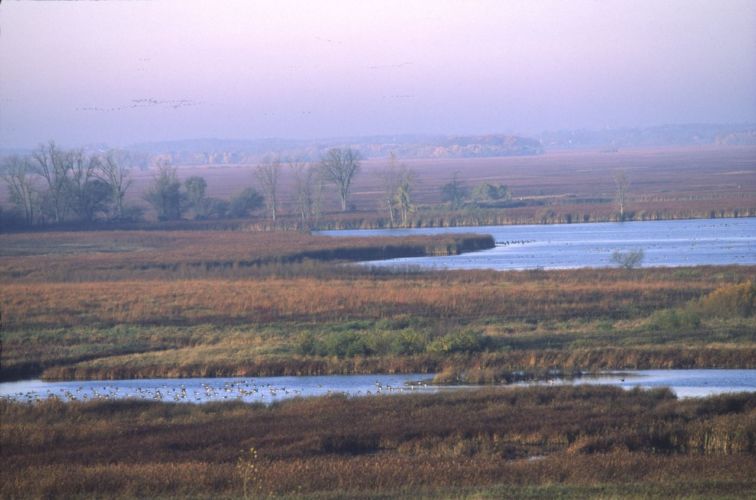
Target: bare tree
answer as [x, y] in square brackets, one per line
[267, 176]
[87, 193]
[397, 191]
[403, 195]
[307, 191]
[317, 188]
[115, 173]
[339, 166]
[390, 182]
[18, 174]
[54, 166]
[622, 183]
[628, 260]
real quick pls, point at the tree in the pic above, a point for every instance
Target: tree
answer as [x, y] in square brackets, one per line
[308, 188]
[214, 208]
[54, 166]
[454, 192]
[403, 196]
[165, 193]
[267, 176]
[18, 175]
[339, 167]
[195, 187]
[245, 202]
[622, 183]
[628, 260]
[390, 180]
[397, 190]
[489, 192]
[114, 172]
[88, 195]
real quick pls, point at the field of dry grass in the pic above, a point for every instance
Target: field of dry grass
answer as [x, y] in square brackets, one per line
[158, 304]
[140, 304]
[93, 255]
[567, 442]
[558, 186]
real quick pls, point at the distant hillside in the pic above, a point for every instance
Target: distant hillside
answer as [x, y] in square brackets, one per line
[245, 151]
[664, 135]
[224, 151]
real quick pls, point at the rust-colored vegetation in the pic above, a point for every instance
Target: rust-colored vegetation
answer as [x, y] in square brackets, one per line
[121, 304]
[81, 256]
[556, 187]
[573, 441]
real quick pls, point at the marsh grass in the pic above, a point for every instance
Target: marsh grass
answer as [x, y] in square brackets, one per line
[570, 320]
[590, 439]
[154, 303]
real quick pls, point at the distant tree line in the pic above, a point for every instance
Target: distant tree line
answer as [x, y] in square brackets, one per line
[53, 186]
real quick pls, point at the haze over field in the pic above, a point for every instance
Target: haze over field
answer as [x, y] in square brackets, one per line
[129, 72]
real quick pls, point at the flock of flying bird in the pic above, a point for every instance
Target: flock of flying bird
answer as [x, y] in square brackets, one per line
[145, 103]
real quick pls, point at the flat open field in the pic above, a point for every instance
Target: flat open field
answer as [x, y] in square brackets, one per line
[139, 304]
[541, 442]
[136, 304]
[670, 182]
[81, 256]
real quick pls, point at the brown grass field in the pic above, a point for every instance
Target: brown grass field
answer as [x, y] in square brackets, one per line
[139, 304]
[538, 443]
[77, 256]
[664, 183]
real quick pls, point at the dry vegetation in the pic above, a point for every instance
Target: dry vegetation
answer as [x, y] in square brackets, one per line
[559, 186]
[81, 256]
[576, 442]
[176, 304]
[143, 304]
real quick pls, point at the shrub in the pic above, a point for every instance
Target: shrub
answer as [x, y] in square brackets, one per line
[306, 344]
[408, 342]
[628, 260]
[675, 320]
[346, 345]
[730, 300]
[461, 341]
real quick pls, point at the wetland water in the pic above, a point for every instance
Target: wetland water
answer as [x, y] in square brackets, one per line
[565, 246]
[685, 383]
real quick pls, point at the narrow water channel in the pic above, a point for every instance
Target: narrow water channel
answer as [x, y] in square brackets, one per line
[685, 383]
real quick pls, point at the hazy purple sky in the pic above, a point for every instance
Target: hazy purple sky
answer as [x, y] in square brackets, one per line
[124, 72]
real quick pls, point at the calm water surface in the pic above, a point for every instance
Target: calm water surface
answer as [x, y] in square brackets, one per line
[200, 390]
[564, 246]
[685, 383]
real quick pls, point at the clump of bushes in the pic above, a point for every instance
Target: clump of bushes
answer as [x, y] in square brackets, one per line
[729, 300]
[675, 320]
[461, 341]
[628, 260]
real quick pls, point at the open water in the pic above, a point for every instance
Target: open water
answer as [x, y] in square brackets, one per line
[566, 246]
